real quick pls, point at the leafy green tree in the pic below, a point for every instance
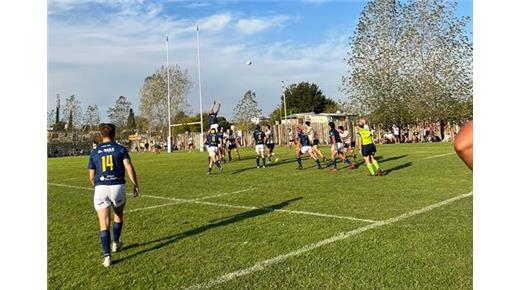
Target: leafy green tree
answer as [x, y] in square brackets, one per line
[305, 97]
[130, 123]
[153, 102]
[118, 114]
[92, 119]
[72, 111]
[410, 62]
[245, 110]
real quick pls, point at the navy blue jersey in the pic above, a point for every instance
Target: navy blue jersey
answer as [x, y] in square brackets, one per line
[335, 133]
[259, 137]
[213, 139]
[212, 118]
[220, 136]
[232, 139]
[304, 139]
[107, 161]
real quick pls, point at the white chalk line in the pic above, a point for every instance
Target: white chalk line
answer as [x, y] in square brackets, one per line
[437, 156]
[266, 263]
[199, 201]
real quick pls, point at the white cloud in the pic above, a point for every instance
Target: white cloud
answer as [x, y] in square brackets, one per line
[99, 60]
[255, 25]
[215, 22]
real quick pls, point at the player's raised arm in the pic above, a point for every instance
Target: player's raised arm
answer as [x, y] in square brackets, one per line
[132, 175]
[218, 108]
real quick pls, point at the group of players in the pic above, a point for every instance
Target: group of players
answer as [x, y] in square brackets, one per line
[109, 161]
[341, 140]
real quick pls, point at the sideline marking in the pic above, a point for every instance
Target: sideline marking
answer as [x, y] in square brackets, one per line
[266, 263]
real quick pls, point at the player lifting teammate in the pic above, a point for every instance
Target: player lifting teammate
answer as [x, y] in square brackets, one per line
[368, 149]
[270, 144]
[213, 151]
[259, 137]
[107, 164]
[303, 144]
[313, 135]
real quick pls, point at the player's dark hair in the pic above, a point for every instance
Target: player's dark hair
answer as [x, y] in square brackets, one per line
[107, 130]
[332, 125]
[307, 123]
[257, 127]
[269, 127]
[341, 128]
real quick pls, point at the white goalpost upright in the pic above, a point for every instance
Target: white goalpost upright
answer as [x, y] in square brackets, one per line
[170, 125]
[200, 94]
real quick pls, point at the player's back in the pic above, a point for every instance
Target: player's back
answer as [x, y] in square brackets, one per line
[107, 160]
[259, 137]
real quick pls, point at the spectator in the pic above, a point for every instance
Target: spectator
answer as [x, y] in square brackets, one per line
[396, 133]
[406, 134]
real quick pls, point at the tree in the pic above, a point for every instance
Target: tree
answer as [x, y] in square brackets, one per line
[153, 102]
[72, 111]
[409, 62]
[119, 112]
[245, 110]
[305, 97]
[51, 118]
[141, 123]
[92, 119]
[130, 123]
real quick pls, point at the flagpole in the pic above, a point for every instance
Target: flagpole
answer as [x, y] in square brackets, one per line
[200, 94]
[168, 97]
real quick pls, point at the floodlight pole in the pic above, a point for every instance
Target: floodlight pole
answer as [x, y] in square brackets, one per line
[200, 94]
[168, 97]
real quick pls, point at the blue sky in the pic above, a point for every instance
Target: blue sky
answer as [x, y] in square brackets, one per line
[100, 50]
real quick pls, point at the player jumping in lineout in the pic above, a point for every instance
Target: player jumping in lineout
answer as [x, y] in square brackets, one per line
[303, 144]
[259, 137]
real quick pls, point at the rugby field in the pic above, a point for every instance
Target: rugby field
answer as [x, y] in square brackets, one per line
[273, 227]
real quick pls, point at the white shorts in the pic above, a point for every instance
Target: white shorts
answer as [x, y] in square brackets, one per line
[109, 196]
[259, 149]
[212, 150]
[305, 149]
[339, 145]
[214, 126]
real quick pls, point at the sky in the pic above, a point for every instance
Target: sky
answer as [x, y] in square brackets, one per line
[100, 50]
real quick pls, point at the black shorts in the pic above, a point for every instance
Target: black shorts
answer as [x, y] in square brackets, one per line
[232, 146]
[315, 142]
[291, 140]
[270, 146]
[368, 150]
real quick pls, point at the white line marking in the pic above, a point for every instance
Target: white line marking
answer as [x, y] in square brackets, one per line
[441, 155]
[225, 193]
[150, 207]
[199, 201]
[266, 263]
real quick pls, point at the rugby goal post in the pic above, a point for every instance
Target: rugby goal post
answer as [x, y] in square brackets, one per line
[192, 123]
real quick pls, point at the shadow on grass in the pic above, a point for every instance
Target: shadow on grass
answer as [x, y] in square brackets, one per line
[272, 164]
[381, 159]
[213, 224]
[398, 167]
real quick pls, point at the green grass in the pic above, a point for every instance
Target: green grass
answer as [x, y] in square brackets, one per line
[188, 243]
